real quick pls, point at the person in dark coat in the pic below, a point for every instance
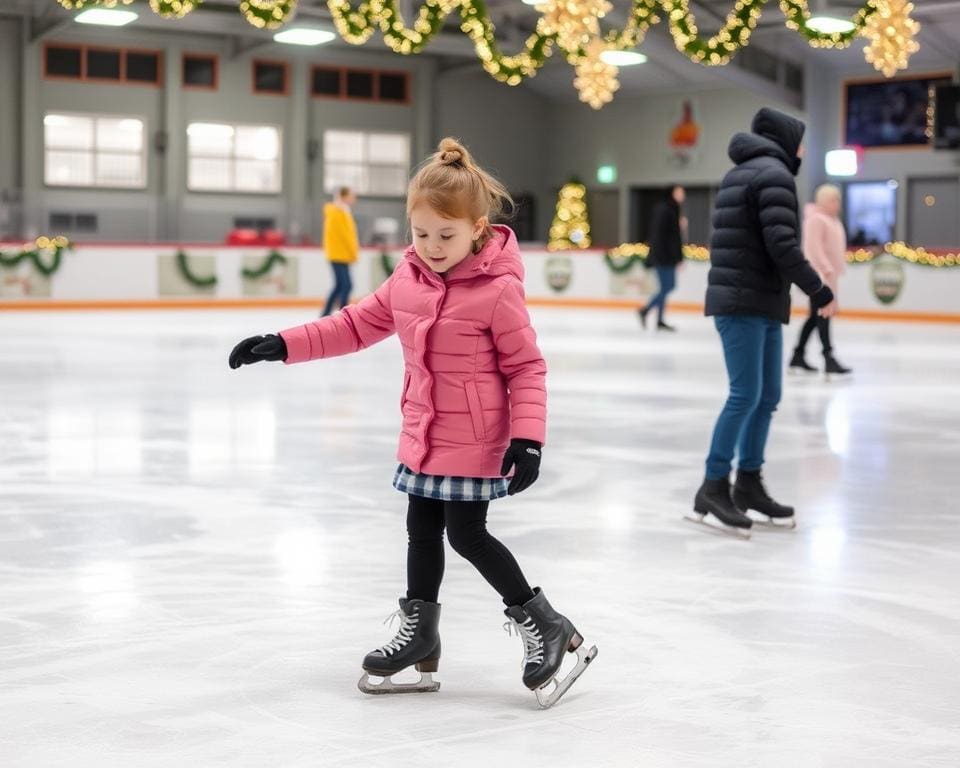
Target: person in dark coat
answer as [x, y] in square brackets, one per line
[755, 255]
[666, 252]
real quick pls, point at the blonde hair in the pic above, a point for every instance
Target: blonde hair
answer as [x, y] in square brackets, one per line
[457, 188]
[825, 192]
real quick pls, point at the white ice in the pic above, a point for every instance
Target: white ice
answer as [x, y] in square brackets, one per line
[194, 560]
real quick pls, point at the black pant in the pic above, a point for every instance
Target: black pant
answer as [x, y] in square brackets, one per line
[466, 524]
[821, 324]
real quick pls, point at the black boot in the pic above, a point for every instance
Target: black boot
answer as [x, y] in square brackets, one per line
[662, 326]
[714, 498]
[642, 313]
[417, 643]
[750, 493]
[547, 635]
[834, 367]
[799, 364]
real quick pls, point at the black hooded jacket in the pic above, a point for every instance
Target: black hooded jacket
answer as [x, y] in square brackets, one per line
[755, 250]
[666, 241]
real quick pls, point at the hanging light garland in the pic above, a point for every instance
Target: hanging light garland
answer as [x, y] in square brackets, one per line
[79, 5]
[890, 32]
[573, 22]
[173, 9]
[267, 14]
[572, 25]
[596, 81]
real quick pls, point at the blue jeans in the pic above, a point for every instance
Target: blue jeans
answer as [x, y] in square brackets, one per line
[342, 286]
[668, 281]
[753, 352]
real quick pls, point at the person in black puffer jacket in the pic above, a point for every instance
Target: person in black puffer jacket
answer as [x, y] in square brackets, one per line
[755, 255]
[666, 251]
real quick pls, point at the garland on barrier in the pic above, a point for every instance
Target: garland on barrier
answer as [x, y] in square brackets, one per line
[624, 257]
[274, 257]
[56, 244]
[183, 265]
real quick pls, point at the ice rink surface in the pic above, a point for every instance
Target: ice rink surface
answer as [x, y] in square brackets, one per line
[194, 560]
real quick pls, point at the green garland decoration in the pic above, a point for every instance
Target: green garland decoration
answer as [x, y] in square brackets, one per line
[623, 258]
[274, 257]
[58, 244]
[173, 9]
[386, 263]
[267, 14]
[356, 24]
[183, 265]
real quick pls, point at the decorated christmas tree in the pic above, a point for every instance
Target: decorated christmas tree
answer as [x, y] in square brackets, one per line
[571, 223]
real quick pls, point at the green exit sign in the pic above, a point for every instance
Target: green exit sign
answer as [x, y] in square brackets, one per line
[607, 174]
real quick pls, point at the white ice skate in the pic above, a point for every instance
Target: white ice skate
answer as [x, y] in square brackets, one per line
[715, 525]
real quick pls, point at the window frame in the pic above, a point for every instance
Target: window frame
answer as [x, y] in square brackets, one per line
[84, 77]
[216, 71]
[366, 164]
[284, 65]
[233, 159]
[144, 152]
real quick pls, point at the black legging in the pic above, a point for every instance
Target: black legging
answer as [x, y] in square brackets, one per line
[466, 524]
[821, 324]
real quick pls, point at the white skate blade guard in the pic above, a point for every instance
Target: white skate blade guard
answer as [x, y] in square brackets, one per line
[426, 684]
[547, 697]
[714, 525]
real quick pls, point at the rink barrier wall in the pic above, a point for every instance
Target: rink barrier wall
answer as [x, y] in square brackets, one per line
[137, 276]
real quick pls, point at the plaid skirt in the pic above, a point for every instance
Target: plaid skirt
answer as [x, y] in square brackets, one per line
[449, 488]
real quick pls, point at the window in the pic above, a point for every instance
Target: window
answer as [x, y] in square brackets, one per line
[368, 163]
[94, 151]
[233, 158]
[326, 82]
[143, 67]
[199, 71]
[360, 84]
[393, 86]
[270, 77]
[63, 61]
[103, 64]
[117, 65]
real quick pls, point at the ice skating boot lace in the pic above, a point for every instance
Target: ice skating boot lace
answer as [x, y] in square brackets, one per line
[532, 640]
[408, 627]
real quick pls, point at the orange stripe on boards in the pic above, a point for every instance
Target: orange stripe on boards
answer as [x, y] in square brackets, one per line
[316, 303]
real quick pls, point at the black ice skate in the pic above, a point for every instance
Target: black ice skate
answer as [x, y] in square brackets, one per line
[750, 493]
[799, 364]
[713, 499]
[546, 636]
[833, 368]
[417, 643]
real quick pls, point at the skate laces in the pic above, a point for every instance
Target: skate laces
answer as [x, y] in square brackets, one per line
[408, 625]
[532, 639]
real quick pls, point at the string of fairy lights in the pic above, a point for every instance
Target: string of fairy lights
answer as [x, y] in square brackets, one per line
[573, 27]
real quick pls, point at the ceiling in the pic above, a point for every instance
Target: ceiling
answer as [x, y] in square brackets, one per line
[666, 68]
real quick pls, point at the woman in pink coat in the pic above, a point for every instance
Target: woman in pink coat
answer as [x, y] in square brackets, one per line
[825, 246]
[474, 409]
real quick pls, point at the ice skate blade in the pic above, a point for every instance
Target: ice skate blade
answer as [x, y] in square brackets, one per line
[547, 700]
[426, 685]
[718, 527]
[788, 525]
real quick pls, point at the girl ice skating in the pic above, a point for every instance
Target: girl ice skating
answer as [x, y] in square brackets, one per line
[474, 411]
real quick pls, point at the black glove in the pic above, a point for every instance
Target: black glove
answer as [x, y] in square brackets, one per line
[821, 297]
[525, 455]
[257, 348]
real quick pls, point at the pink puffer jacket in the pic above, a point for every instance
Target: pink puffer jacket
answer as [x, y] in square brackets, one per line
[473, 375]
[824, 245]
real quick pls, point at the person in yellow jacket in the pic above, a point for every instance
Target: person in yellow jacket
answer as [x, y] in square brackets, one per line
[341, 245]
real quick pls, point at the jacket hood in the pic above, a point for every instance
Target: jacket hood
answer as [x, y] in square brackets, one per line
[774, 135]
[500, 255]
[812, 210]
